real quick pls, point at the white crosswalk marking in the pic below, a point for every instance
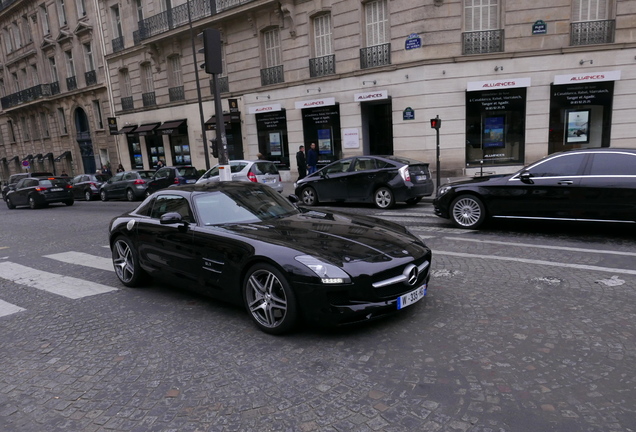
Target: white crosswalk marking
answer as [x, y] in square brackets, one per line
[83, 259]
[8, 308]
[66, 286]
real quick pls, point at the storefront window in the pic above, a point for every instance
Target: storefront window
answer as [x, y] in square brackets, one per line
[134, 149]
[180, 149]
[156, 150]
[272, 137]
[322, 126]
[580, 115]
[495, 127]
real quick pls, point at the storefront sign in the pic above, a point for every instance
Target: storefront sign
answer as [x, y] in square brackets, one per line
[112, 125]
[350, 138]
[587, 77]
[413, 41]
[233, 104]
[365, 97]
[498, 84]
[408, 114]
[539, 27]
[264, 109]
[315, 103]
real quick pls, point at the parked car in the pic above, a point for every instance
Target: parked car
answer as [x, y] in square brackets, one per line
[259, 171]
[38, 192]
[578, 185]
[168, 176]
[381, 180]
[245, 243]
[15, 178]
[87, 186]
[130, 185]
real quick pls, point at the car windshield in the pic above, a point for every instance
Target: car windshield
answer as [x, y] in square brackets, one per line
[187, 172]
[240, 206]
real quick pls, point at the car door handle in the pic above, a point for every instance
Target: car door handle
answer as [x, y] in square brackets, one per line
[565, 183]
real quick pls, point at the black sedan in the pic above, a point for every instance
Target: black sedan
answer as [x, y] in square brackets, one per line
[38, 192]
[382, 180]
[244, 243]
[87, 186]
[578, 185]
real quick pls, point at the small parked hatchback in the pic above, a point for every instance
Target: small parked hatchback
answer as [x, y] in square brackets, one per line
[259, 171]
[168, 176]
[86, 186]
[37, 192]
[130, 185]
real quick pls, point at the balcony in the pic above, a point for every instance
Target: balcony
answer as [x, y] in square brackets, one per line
[55, 88]
[482, 42]
[127, 103]
[25, 96]
[118, 44]
[378, 55]
[149, 99]
[176, 93]
[592, 32]
[322, 66]
[71, 83]
[273, 75]
[224, 85]
[91, 77]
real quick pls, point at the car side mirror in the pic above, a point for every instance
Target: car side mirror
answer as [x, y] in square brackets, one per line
[526, 177]
[171, 218]
[293, 198]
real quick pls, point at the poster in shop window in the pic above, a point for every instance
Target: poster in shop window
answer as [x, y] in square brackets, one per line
[274, 144]
[494, 127]
[324, 141]
[578, 126]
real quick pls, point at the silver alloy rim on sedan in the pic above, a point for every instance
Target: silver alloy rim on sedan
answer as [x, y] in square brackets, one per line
[467, 212]
[266, 298]
[124, 261]
[309, 196]
[383, 198]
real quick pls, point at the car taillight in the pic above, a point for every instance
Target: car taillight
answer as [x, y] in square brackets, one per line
[404, 172]
[176, 180]
[69, 186]
[252, 177]
[140, 181]
[40, 189]
[279, 179]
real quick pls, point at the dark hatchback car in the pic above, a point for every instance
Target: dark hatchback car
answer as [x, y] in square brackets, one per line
[578, 185]
[381, 180]
[130, 185]
[244, 243]
[15, 178]
[168, 176]
[37, 192]
[86, 186]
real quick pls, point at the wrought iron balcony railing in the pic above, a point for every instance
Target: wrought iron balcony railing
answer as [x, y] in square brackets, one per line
[127, 103]
[25, 96]
[481, 42]
[322, 66]
[378, 55]
[149, 99]
[71, 83]
[224, 85]
[176, 93]
[273, 75]
[55, 87]
[592, 32]
[91, 77]
[118, 44]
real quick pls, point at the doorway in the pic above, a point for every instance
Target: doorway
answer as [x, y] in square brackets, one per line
[84, 141]
[377, 127]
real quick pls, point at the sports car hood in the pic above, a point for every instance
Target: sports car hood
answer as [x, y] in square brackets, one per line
[337, 237]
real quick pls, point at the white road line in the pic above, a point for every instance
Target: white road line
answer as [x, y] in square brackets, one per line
[8, 308]
[83, 259]
[538, 262]
[66, 286]
[526, 245]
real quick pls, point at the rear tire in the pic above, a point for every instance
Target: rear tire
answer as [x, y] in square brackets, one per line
[33, 203]
[130, 195]
[383, 198]
[69, 202]
[88, 195]
[467, 211]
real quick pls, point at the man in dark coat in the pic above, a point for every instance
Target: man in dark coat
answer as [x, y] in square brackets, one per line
[312, 158]
[301, 162]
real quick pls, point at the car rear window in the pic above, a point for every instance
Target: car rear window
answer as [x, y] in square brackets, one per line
[613, 164]
[236, 167]
[145, 174]
[260, 168]
[53, 183]
[187, 172]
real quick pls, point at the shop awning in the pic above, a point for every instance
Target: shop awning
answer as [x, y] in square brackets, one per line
[126, 129]
[171, 127]
[146, 129]
[14, 158]
[38, 156]
[48, 156]
[29, 157]
[66, 154]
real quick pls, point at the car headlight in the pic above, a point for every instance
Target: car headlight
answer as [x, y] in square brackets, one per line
[443, 189]
[328, 273]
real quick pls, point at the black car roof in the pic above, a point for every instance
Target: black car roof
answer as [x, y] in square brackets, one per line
[213, 186]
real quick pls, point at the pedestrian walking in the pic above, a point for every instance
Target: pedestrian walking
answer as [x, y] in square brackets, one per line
[312, 158]
[301, 162]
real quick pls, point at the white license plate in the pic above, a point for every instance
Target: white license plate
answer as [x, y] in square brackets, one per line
[420, 178]
[269, 180]
[57, 189]
[191, 181]
[409, 298]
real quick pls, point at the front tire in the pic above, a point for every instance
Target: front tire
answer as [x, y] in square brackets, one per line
[383, 198]
[69, 202]
[103, 196]
[126, 263]
[9, 203]
[269, 299]
[468, 211]
[33, 203]
[88, 195]
[308, 196]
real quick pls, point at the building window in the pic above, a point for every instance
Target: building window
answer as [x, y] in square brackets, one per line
[26, 28]
[34, 127]
[44, 122]
[589, 10]
[3, 91]
[140, 11]
[25, 129]
[482, 33]
[53, 69]
[322, 35]
[62, 119]
[8, 44]
[44, 19]
[81, 8]
[88, 57]
[376, 22]
[70, 64]
[176, 79]
[61, 13]
[116, 21]
[35, 76]
[17, 39]
[16, 82]
[11, 131]
[591, 23]
[271, 40]
[97, 112]
[126, 87]
[147, 80]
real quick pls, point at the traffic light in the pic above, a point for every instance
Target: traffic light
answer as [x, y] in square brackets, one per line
[212, 51]
[436, 123]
